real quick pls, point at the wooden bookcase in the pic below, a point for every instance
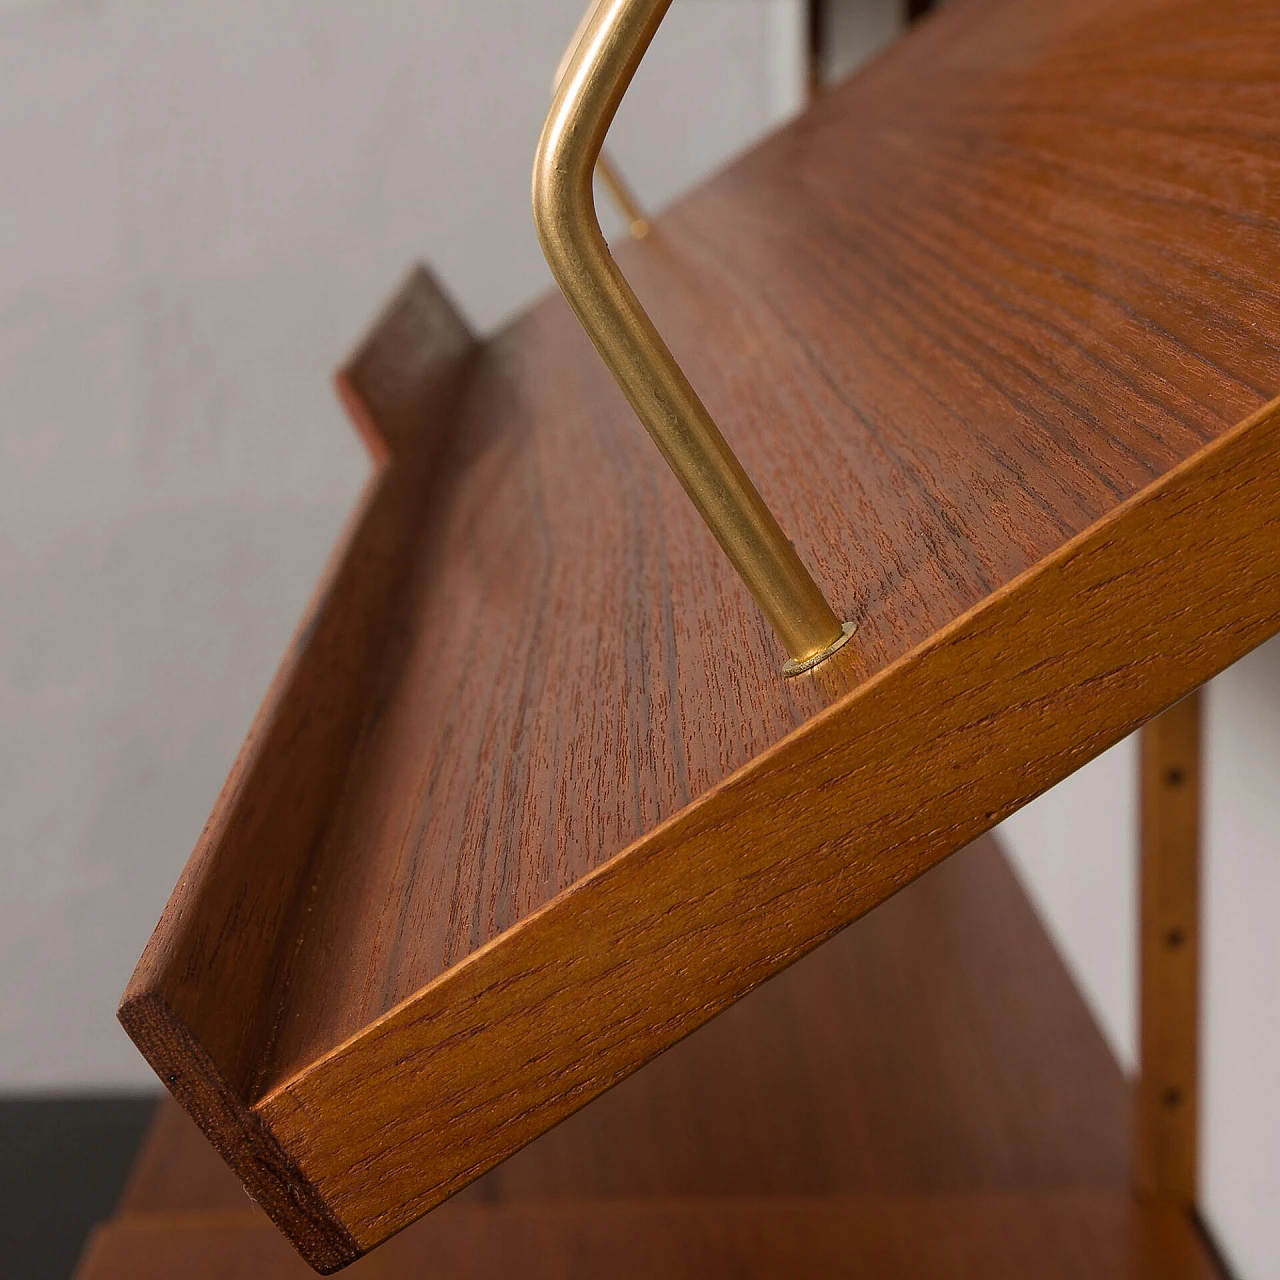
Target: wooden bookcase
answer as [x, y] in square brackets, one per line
[992, 327]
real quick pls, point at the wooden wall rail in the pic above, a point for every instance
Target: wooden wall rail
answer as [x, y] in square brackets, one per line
[1169, 955]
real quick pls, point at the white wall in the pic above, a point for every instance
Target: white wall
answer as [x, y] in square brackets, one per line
[1241, 1029]
[1076, 850]
[202, 207]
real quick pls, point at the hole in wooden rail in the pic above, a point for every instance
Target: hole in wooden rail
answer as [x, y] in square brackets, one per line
[1174, 777]
[1174, 938]
[1172, 1098]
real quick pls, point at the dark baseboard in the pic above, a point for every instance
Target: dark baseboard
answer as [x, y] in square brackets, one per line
[63, 1164]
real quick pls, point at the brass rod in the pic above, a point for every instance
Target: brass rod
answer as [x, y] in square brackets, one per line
[616, 185]
[606, 170]
[616, 35]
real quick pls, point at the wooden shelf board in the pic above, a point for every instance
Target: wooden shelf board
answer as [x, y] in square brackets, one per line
[1060, 1235]
[529, 800]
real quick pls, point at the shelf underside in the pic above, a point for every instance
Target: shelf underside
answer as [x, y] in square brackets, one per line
[993, 328]
[926, 1097]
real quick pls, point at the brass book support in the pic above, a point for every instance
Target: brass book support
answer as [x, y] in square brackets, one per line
[609, 174]
[607, 49]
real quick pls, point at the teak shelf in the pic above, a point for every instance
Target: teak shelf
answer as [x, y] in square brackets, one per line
[993, 327]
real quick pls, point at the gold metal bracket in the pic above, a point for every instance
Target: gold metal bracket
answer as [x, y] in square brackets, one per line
[607, 50]
[617, 187]
[606, 170]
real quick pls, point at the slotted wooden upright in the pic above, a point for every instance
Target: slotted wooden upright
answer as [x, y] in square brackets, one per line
[993, 327]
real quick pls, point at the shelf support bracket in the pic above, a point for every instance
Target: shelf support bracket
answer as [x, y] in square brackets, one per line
[1169, 955]
[609, 47]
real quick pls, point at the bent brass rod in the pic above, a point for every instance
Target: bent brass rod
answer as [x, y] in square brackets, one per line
[616, 36]
[608, 172]
[620, 191]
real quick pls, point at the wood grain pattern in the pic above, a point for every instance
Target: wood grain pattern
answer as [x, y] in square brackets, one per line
[1169, 956]
[1009, 1236]
[993, 328]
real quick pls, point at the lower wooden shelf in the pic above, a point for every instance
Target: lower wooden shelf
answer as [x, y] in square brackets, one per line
[1065, 1235]
[926, 1096]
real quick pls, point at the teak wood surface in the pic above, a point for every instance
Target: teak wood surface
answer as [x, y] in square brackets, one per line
[925, 1097]
[994, 328]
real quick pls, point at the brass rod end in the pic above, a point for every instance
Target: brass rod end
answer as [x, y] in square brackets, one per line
[623, 196]
[794, 667]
